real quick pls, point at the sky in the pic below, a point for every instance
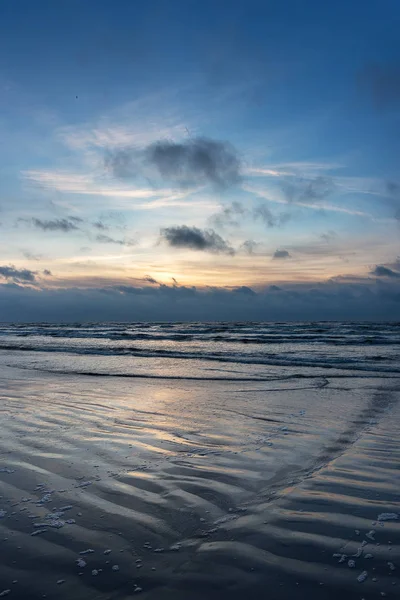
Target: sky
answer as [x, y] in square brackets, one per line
[199, 160]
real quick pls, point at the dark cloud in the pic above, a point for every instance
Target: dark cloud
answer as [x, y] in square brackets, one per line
[193, 161]
[17, 275]
[47, 273]
[306, 190]
[244, 289]
[150, 279]
[66, 224]
[383, 85]
[106, 239]
[195, 239]
[280, 254]
[382, 271]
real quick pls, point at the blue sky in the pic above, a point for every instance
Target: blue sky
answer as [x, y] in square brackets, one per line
[207, 144]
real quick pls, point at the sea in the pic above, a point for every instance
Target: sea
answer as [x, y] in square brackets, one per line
[200, 460]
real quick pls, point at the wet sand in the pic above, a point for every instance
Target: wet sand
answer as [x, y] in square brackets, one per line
[186, 489]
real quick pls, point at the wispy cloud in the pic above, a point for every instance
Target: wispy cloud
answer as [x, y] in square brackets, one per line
[272, 196]
[65, 225]
[106, 239]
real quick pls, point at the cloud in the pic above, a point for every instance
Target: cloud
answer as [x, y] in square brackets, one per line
[280, 254]
[193, 161]
[106, 239]
[382, 271]
[320, 301]
[263, 213]
[66, 225]
[195, 239]
[249, 246]
[100, 225]
[150, 279]
[17, 275]
[31, 256]
[232, 215]
[47, 273]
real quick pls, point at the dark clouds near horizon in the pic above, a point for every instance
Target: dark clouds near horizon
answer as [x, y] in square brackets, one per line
[371, 300]
[194, 161]
[281, 254]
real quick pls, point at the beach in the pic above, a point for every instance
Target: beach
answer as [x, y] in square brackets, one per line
[127, 468]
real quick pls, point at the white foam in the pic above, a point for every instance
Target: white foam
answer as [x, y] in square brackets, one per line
[388, 517]
[362, 577]
[38, 531]
[81, 563]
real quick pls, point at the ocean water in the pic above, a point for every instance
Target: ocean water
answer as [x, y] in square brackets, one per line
[205, 350]
[201, 460]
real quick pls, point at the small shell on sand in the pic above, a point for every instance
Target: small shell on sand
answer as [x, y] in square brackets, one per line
[5, 592]
[108, 551]
[60, 581]
[2, 513]
[115, 568]
[370, 535]
[391, 566]
[95, 572]
[351, 563]
[88, 551]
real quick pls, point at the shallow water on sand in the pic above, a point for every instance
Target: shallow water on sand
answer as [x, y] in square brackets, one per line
[199, 488]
